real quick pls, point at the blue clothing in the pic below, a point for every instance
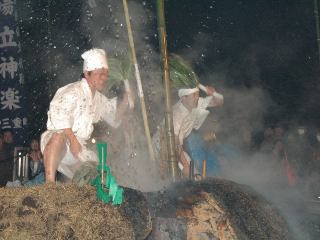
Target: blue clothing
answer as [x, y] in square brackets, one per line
[37, 180]
[198, 151]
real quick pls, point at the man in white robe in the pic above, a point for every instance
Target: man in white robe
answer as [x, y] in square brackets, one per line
[189, 113]
[72, 113]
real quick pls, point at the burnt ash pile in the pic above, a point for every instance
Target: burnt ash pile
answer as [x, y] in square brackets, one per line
[70, 212]
[218, 209]
[210, 209]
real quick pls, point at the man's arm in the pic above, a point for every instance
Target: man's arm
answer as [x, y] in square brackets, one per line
[217, 98]
[122, 107]
[112, 111]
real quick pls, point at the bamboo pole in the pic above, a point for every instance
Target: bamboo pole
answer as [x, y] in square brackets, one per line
[173, 164]
[50, 79]
[204, 169]
[138, 78]
[316, 15]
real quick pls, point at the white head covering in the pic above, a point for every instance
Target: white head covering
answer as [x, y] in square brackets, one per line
[186, 91]
[94, 59]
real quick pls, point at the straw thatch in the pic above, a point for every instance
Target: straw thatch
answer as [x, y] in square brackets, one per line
[70, 212]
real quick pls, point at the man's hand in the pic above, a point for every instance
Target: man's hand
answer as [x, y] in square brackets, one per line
[210, 90]
[75, 147]
[35, 156]
[122, 107]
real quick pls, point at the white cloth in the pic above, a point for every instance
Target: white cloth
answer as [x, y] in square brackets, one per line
[74, 107]
[94, 59]
[185, 121]
[186, 91]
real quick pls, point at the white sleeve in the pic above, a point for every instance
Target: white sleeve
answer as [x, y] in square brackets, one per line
[108, 110]
[203, 103]
[62, 108]
[215, 100]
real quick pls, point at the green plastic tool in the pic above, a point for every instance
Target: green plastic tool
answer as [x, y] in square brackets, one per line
[106, 184]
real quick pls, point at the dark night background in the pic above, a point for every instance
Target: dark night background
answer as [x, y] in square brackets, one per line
[269, 44]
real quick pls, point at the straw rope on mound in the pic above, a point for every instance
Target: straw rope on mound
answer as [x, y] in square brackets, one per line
[70, 212]
[219, 209]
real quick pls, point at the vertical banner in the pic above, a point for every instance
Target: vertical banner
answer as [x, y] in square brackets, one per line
[12, 98]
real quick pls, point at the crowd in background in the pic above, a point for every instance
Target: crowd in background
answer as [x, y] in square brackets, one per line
[297, 151]
[292, 154]
[8, 154]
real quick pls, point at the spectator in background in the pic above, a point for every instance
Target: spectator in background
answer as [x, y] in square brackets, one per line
[4, 164]
[279, 132]
[35, 157]
[36, 164]
[3, 155]
[268, 141]
[299, 152]
[8, 142]
[313, 166]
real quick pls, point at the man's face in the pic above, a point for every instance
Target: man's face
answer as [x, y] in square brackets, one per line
[7, 137]
[278, 132]
[301, 131]
[191, 100]
[97, 79]
[34, 145]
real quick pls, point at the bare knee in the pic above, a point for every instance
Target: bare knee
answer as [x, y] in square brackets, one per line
[52, 155]
[58, 138]
[56, 142]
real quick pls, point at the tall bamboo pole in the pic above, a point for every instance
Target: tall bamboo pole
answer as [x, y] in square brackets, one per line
[49, 55]
[316, 15]
[138, 78]
[173, 164]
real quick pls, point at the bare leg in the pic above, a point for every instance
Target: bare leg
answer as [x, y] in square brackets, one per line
[52, 155]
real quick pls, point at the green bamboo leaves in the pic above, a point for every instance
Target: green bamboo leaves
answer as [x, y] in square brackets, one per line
[181, 73]
[120, 69]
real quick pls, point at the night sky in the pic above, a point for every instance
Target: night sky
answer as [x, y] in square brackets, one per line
[268, 44]
[271, 44]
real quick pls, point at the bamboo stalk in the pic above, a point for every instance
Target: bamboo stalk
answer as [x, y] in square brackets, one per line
[128, 90]
[316, 15]
[204, 168]
[138, 78]
[173, 163]
[191, 170]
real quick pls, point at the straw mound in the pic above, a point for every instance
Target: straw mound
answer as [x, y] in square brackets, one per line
[219, 209]
[70, 212]
[211, 209]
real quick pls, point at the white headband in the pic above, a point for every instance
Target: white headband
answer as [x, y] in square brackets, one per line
[94, 59]
[186, 91]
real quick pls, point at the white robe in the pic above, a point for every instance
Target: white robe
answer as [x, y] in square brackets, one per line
[184, 121]
[74, 107]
